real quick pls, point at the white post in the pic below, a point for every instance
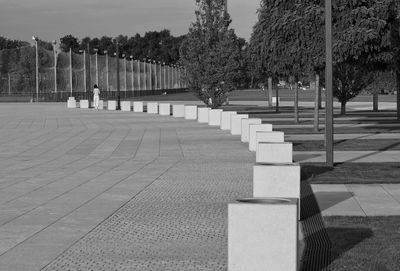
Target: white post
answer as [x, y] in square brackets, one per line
[150, 81]
[160, 86]
[70, 68]
[145, 75]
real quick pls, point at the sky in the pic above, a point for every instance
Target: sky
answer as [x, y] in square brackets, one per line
[52, 19]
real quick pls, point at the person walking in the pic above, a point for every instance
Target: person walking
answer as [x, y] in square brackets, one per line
[96, 97]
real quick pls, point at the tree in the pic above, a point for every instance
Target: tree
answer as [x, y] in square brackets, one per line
[211, 53]
[69, 42]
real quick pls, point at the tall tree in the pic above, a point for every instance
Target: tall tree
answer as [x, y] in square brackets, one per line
[69, 42]
[211, 53]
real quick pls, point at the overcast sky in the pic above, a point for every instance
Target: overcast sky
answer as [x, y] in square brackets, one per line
[52, 19]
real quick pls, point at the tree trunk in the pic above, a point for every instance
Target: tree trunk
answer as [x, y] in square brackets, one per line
[343, 108]
[296, 102]
[375, 102]
[317, 103]
[269, 91]
[277, 101]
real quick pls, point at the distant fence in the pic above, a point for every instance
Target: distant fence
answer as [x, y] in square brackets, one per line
[72, 74]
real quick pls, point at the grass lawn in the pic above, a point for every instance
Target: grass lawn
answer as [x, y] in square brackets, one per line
[363, 244]
[358, 173]
[349, 144]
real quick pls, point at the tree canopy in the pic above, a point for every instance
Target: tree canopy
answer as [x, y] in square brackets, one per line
[212, 53]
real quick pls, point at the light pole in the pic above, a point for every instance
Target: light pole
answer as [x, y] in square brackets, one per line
[329, 85]
[106, 53]
[54, 43]
[132, 75]
[97, 66]
[150, 82]
[165, 87]
[139, 86]
[89, 67]
[37, 68]
[70, 69]
[118, 87]
[145, 73]
[123, 56]
[84, 69]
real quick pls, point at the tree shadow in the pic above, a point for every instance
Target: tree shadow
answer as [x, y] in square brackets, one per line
[311, 170]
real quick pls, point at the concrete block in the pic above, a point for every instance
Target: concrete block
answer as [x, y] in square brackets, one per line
[138, 107]
[152, 108]
[226, 119]
[191, 112]
[214, 117]
[274, 137]
[112, 105]
[164, 109]
[253, 129]
[274, 153]
[277, 181]
[71, 103]
[202, 114]
[263, 235]
[245, 128]
[84, 104]
[178, 110]
[274, 100]
[126, 105]
[236, 123]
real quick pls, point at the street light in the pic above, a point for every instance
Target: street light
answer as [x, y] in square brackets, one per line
[118, 87]
[54, 43]
[37, 68]
[133, 74]
[84, 68]
[97, 67]
[107, 85]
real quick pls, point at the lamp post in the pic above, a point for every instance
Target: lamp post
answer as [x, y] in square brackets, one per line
[84, 69]
[123, 56]
[107, 85]
[150, 82]
[329, 85]
[118, 86]
[97, 66]
[145, 73]
[54, 43]
[88, 67]
[132, 75]
[37, 68]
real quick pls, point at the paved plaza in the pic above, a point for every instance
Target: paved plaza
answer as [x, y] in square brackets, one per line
[109, 190]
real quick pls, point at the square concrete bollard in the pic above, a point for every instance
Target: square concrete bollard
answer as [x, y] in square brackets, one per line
[246, 128]
[152, 108]
[263, 234]
[71, 102]
[138, 107]
[191, 112]
[236, 123]
[126, 105]
[273, 137]
[226, 119]
[253, 129]
[277, 181]
[274, 100]
[164, 109]
[202, 114]
[178, 110]
[84, 104]
[274, 153]
[214, 117]
[101, 104]
[112, 105]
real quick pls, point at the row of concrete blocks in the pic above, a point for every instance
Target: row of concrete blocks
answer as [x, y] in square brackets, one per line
[263, 231]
